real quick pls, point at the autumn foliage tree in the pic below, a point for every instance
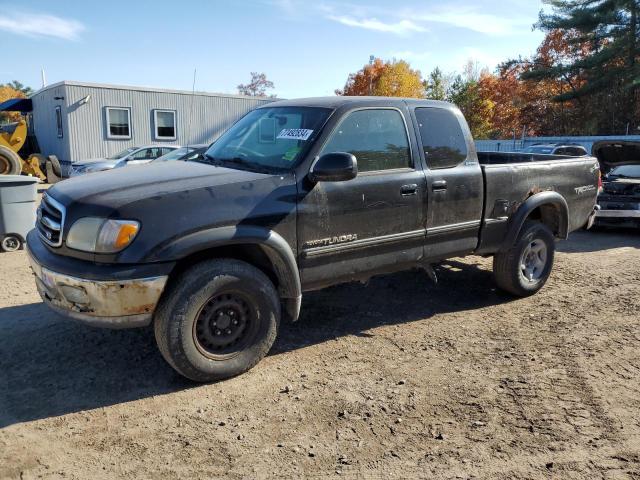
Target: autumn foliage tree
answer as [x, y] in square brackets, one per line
[468, 95]
[603, 50]
[583, 79]
[394, 78]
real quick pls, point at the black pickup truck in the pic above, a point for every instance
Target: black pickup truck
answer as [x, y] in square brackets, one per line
[296, 196]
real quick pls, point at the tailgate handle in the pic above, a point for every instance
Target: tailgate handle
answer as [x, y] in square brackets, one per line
[439, 185]
[410, 189]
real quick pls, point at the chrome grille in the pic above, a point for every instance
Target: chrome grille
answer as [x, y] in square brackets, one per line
[50, 220]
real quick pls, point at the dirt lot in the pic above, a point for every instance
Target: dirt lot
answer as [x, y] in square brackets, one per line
[395, 379]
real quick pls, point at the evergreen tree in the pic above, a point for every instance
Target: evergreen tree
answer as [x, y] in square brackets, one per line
[612, 66]
[435, 85]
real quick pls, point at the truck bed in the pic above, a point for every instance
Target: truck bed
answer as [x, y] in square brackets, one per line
[511, 178]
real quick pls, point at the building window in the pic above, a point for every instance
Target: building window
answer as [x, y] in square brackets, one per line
[59, 121]
[118, 122]
[165, 123]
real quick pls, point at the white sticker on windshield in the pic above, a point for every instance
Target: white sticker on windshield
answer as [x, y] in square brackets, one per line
[295, 133]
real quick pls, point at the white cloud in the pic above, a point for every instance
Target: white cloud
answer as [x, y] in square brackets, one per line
[404, 21]
[471, 19]
[40, 25]
[401, 27]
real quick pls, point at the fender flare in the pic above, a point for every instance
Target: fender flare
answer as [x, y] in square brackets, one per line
[273, 245]
[538, 200]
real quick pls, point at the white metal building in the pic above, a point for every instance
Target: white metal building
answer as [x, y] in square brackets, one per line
[76, 121]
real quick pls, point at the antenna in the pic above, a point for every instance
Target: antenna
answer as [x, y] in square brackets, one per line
[193, 94]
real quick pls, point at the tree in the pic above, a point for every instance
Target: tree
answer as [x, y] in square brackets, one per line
[606, 36]
[7, 93]
[16, 85]
[478, 110]
[436, 85]
[394, 78]
[397, 79]
[257, 87]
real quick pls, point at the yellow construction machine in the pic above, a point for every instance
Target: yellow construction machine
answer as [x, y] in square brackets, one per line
[12, 138]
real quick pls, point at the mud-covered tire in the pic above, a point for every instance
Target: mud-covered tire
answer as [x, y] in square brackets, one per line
[10, 243]
[196, 317]
[525, 267]
[10, 162]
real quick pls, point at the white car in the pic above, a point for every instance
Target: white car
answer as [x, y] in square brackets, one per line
[130, 156]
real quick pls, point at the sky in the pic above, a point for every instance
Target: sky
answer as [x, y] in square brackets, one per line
[307, 48]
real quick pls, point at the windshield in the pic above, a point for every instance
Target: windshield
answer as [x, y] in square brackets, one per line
[626, 171]
[543, 150]
[122, 154]
[176, 154]
[268, 139]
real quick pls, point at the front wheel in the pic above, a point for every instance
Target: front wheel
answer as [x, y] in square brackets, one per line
[525, 268]
[218, 319]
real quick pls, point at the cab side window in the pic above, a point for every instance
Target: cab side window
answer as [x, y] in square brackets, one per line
[442, 137]
[376, 137]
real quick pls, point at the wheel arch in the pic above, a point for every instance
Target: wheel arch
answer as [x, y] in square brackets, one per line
[262, 248]
[549, 208]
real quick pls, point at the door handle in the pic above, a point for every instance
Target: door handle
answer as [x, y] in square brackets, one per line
[407, 190]
[439, 186]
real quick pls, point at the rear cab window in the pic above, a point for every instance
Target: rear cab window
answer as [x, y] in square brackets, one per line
[441, 137]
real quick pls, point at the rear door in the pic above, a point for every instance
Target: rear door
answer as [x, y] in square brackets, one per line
[454, 182]
[374, 222]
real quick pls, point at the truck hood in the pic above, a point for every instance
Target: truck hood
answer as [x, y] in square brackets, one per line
[112, 189]
[612, 153]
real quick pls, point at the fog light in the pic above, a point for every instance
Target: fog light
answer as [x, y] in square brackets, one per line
[76, 295]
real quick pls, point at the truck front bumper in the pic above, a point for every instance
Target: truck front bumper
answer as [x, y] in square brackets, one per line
[118, 303]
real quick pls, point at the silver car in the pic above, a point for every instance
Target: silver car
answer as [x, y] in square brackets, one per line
[130, 156]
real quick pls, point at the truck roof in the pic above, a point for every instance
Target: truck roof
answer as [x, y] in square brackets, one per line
[339, 101]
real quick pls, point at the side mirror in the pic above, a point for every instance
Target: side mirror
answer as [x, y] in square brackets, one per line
[334, 167]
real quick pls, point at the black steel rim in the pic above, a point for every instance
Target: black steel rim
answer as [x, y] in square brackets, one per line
[225, 325]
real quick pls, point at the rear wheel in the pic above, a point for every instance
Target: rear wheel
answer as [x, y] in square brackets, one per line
[524, 269]
[217, 320]
[10, 162]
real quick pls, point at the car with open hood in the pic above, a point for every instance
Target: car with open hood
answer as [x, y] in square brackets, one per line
[619, 201]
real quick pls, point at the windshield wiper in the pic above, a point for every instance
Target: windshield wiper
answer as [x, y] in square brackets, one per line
[254, 166]
[208, 159]
[236, 161]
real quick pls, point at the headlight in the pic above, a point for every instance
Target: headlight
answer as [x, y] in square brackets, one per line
[91, 234]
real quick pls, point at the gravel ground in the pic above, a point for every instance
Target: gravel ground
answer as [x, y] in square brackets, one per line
[398, 378]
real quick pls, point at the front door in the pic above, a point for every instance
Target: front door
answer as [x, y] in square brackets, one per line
[374, 222]
[454, 183]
